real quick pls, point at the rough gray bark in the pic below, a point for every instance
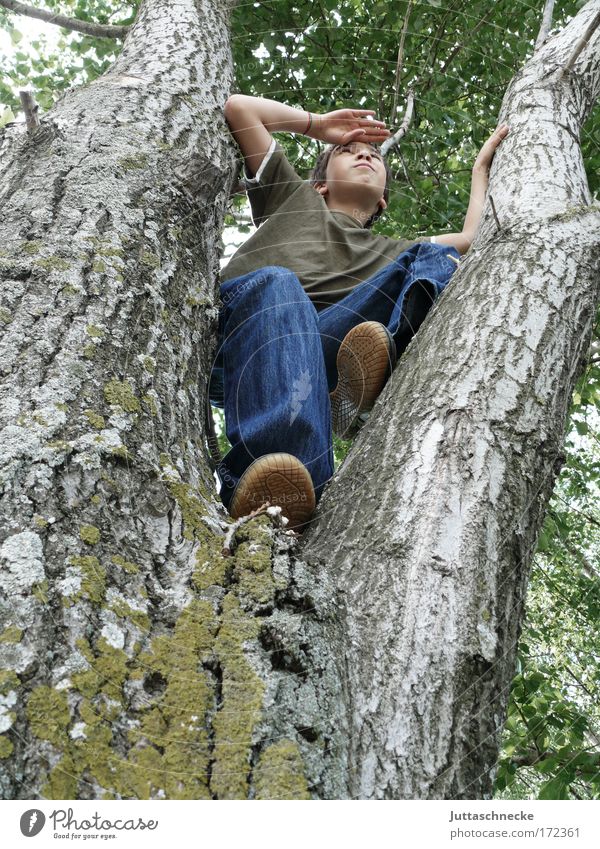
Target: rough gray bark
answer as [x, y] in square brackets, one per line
[135, 660]
[429, 527]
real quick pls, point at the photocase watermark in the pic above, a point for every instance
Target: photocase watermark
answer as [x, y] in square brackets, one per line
[66, 827]
[32, 822]
[275, 500]
[225, 477]
[301, 389]
[245, 287]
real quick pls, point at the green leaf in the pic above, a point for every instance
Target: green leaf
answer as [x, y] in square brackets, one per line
[547, 765]
[554, 789]
[6, 116]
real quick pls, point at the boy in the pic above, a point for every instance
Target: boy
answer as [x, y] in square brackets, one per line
[315, 306]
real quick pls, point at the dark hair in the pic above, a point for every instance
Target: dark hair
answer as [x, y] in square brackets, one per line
[319, 174]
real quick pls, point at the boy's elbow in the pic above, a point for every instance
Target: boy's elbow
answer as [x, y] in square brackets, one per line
[230, 104]
[235, 105]
[460, 241]
[464, 242]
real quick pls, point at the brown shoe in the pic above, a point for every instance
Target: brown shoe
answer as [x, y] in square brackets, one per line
[365, 360]
[280, 479]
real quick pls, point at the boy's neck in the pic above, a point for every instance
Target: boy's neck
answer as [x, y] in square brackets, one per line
[360, 215]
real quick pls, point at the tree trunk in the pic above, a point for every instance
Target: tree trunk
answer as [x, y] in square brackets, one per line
[135, 660]
[429, 528]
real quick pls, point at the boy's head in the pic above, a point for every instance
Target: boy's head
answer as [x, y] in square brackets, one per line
[354, 173]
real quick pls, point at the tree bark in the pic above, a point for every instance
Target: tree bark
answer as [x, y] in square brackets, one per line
[429, 527]
[373, 659]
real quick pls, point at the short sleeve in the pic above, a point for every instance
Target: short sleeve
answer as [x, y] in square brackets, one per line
[274, 182]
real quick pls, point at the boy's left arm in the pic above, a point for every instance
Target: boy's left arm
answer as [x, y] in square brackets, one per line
[479, 183]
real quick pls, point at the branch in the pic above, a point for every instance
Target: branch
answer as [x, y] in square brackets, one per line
[581, 43]
[275, 514]
[99, 30]
[30, 108]
[546, 24]
[530, 758]
[400, 60]
[389, 144]
[492, 204]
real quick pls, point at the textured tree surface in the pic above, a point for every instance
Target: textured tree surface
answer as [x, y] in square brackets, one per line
[371, 660]
[429, 528]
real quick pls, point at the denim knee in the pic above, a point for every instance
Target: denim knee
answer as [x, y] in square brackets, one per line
[273, 282]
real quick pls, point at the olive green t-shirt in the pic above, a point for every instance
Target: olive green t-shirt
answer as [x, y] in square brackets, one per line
[329, 251]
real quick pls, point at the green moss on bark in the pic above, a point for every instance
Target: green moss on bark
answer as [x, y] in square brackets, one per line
[107, 673]
[9, 680]
[192, 509]
[95, 419]
[210, 567]
[62, 781]
[52, 263]
[93, 578]
[241, 706]
[150, 403]
[177, 722]
[40, 591]
[125, 564]
[6, 747]
[48, 715]
[253, 571]
[89, 534]
[279, 773]
[11, 635]
[120, 393]
[137, 617]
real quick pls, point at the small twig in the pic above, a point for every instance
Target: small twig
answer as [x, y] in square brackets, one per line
[389, 144]
[499, 226]
[267, 508]
[30, 108]
[400, 61]
[546, 24]
[530, 758]
[581, 44]
[98, 30]
[227, 544]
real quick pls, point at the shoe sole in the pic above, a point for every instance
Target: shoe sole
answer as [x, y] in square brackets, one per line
[283, 481]
[365, 360]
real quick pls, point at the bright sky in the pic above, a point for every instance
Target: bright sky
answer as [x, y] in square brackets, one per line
[31, 30]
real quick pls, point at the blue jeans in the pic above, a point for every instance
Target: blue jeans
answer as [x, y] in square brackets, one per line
[276, 360]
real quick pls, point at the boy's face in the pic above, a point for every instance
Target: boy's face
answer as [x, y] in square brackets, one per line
[355, 174]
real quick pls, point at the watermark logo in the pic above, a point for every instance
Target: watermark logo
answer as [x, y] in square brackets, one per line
[32, 822]
[301, 389]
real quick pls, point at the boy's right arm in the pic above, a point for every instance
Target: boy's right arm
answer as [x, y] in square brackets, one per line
[253, 119]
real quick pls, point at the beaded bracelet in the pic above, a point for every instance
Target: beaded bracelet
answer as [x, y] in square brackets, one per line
[308, 125]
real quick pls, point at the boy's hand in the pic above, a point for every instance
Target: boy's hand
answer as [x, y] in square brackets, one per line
[347, 125]
[486, 154]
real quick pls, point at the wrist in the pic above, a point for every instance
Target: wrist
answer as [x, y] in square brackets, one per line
[312, 125]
